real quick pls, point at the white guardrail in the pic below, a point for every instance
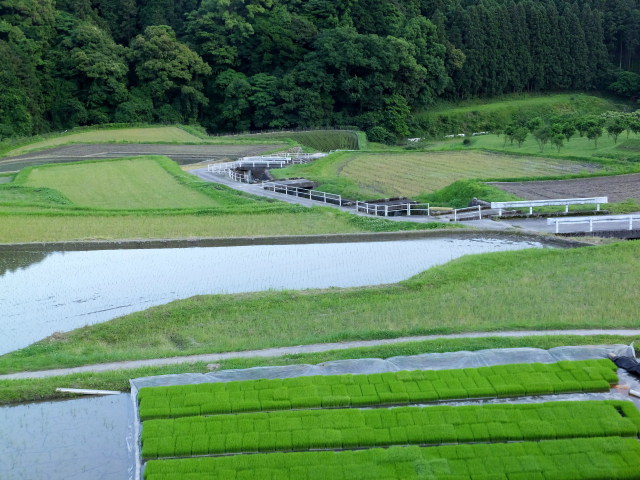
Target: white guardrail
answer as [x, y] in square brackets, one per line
[592, 220]
[315, 195]
[545, 203]
[477, 209]
[266, 161]
[394, 209]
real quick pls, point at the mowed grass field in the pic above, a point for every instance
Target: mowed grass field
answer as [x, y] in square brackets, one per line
[390, 174]
[131, 183]
[590, 287]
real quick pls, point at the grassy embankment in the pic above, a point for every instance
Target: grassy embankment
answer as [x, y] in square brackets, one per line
[177, 134]
[481, 115]
[13, 391]
[152, 197]
[591, 287]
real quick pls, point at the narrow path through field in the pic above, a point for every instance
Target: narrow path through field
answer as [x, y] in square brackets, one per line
[314, 348]
[182, 154]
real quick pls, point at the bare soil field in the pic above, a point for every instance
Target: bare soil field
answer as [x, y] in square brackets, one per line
[183, 154]
[618, 188]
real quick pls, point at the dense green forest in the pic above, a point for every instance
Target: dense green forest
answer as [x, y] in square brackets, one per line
[261, 64]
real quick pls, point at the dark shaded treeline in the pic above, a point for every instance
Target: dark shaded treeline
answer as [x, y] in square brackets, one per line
[240, 64]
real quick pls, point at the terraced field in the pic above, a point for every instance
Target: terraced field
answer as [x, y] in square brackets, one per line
[302, 427]
[392, 174]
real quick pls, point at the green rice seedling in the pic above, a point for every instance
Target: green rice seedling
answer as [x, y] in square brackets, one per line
[251, 442]
[300, 440]
[397, 435]
[339, 390]
[183, 444]
[268, 442]
[595, 386]
[351, 438]
[336, 401]
[200, 445]
[284, 440]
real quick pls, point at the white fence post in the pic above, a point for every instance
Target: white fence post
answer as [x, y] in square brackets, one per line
[479, 212]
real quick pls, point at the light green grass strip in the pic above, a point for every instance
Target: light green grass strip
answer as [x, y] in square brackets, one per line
[576, 459]
[130, 183]
[355, 428]
[160, 134]
[376, 389]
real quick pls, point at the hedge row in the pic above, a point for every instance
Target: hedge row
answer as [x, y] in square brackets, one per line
[612, 458]
[376, 389]
[352, 428]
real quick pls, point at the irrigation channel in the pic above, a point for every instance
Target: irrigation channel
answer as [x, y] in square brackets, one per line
[43, 292]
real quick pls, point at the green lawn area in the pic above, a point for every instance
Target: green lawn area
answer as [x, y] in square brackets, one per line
[368, 175]
[589, 287]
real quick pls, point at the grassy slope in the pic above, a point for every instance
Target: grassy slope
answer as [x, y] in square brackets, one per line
[592, 287]
[372, 175]
[12, 391]
[148, 134]
[482, 115]
[577, 147]
[557, 103]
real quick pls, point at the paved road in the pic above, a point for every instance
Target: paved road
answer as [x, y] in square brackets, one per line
[182, 154]
[314, 348]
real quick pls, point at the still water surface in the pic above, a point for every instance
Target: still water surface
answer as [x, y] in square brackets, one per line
[46, 292]
[90, 439]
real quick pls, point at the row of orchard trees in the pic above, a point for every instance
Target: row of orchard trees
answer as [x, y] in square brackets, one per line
[260, 64]
[558, 130]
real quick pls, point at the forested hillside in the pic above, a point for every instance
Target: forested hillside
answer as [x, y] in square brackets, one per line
[260, 64]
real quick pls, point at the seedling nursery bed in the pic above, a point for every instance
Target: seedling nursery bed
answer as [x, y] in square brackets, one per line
[333, 426]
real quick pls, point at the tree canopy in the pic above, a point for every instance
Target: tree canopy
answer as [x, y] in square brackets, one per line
[259, 64]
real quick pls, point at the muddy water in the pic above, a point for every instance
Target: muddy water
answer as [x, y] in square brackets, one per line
[89, 438]
[46, 292]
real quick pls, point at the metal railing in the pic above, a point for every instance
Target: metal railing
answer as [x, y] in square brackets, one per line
[394, 209]
[544, 203]
[316, 195]
[477, 209]
[238, 176]
[591, 220]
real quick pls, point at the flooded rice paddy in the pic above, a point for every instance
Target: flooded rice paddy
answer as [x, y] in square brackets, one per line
[89, 438]
[46, 292]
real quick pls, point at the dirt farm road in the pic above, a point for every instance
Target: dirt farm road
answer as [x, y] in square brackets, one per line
[281, 351]
[182, 154]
